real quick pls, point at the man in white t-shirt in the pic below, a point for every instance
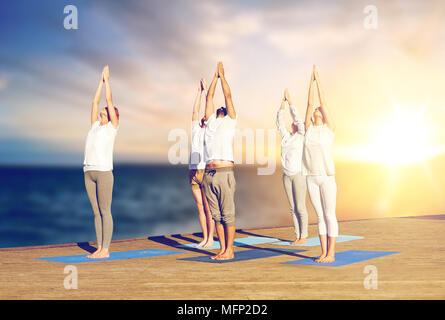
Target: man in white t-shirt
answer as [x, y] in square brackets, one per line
[219, 180]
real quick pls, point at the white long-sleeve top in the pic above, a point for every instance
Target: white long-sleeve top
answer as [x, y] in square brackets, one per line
[291, 144]
[317, 154]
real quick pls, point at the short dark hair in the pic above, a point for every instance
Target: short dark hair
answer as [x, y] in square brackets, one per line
[223, 110]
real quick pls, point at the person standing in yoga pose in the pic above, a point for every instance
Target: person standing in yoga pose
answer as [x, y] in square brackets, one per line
[196, 171]
[98, 165]
[219, 179]
[291, 160]
[319, 169]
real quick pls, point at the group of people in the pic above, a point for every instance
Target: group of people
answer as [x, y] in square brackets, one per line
[308, 166]
[306, 154]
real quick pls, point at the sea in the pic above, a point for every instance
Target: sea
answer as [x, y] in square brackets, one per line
[43, 205]
[49, 205]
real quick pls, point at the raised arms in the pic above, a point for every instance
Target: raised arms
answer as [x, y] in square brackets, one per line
[96, 100]
[210, 107]
[324, 108]
[226, 90]
[310, 102]
[280, 121]
[113, 117]
[197, 105]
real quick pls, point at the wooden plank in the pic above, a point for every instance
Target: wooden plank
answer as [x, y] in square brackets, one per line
[415, 273]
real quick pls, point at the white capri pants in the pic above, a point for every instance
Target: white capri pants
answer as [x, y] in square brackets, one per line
[323, 193]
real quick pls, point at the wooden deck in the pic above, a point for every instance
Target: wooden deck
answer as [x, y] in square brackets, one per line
[417, 272]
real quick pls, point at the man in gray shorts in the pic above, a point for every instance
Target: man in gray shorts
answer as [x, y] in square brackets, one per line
[219, 180]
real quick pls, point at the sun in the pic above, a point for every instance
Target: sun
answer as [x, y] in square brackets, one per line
[406, 139]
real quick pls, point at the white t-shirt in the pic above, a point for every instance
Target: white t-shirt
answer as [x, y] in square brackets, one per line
[99, 147]
[218, 138]
[197, 147]
[291, 144]
[317, 151]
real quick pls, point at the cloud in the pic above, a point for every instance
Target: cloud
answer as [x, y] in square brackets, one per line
[158, 51]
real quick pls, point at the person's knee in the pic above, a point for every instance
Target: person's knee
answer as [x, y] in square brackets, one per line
[301, 209]
[228, 218]
[105, 210]
[331, 218]
[216, 216]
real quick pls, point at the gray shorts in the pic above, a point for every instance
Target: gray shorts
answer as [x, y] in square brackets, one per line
[219, 188]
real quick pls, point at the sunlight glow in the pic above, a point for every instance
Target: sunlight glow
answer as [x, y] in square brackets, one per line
[405, 139]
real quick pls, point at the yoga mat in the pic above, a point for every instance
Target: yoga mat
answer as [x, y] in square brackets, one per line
[121, 255]
[239, 242]
[310, 242]
[345, 258]
[245, 255]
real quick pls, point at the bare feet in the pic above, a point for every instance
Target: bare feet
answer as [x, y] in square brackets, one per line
[203, 242]
[299, 242]
[102, 254]
[217, 255]
[91, 256]
[209, 244]
[328, 259]
[227, 255]
[320, 258]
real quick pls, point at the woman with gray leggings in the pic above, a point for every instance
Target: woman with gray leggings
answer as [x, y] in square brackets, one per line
[291, 160]
[98, 165]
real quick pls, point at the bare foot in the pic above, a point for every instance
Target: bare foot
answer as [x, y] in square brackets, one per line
[328, 259]
[91, 256]
[104, 253]
[203, 242]
[209, 244]
[320, 258]
[217, 255]
[228, 255]
[299, 242]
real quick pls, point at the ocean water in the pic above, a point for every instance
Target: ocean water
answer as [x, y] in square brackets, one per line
[43, 205]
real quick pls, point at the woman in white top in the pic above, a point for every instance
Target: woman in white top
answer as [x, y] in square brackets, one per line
[291, 160]
[98, 166]
[196, 170]
[319, 169]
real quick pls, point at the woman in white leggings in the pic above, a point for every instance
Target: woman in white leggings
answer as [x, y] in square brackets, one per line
[319, 170]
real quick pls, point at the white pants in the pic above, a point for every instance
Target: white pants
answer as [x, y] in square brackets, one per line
[323, 193]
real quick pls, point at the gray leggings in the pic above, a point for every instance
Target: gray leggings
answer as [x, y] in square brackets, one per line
[295, 187]
[99, 185]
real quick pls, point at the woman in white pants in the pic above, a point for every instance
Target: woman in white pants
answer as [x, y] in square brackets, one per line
[197, 168]
[291, 160]
[319, 170]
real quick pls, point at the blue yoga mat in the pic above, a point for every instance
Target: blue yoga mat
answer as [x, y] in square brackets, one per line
[239, 242]
[121, 255]
[245, 255]
[345, 258]
[311, 242]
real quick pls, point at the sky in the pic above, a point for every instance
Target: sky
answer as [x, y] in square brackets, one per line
[383, 86]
